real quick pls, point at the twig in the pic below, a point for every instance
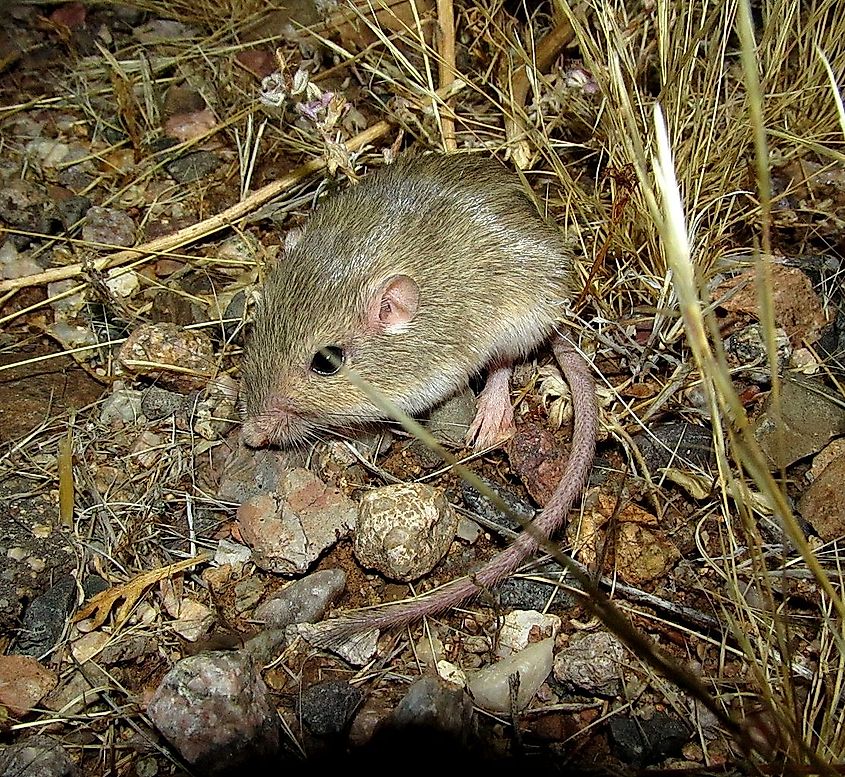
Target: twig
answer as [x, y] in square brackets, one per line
[202, 228]
[446, 44]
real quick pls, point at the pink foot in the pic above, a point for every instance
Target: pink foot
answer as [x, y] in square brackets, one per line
[493, 422]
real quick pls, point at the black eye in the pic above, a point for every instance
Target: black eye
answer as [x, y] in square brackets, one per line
[327, 360]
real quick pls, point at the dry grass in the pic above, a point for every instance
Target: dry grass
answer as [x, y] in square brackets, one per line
[666, 174]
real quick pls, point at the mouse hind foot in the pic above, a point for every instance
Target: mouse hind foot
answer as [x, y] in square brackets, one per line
[494, 422]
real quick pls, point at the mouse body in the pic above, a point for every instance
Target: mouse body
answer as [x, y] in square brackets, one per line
[427, 272]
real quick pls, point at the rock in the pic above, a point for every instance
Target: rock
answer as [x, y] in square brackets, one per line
[248, 593]
[248, 472]
[157, 403]
[748, 347]
[449, 421]
[677, 444]
[303, 601]
[527, 594]
[822, 504]
[106, 228]
[404, 530]
[520, 627]
[490, 687]
[231, 553]
[537, 459]
[797, 307]
[215, 415]
[289, 530]
[193, 166]
[16, 265]
[643, 555]
[26, 206]
[23, 683]
[357, 650]
[591, 664]
[215, 709]
[177, 358]
[36, 756]
[805, 422]
[434, 705]
[122, 406]
[641, 742]
[481, 505]
[327, 708]
[45, 618]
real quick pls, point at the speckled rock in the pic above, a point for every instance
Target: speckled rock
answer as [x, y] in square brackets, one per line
[592, 664]
[327, 708]
[177, 358]
[404, 530]
[37, 756]
[215, 709]
[107, 227]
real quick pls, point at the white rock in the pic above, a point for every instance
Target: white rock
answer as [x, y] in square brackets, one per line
[451, 673]
[123, 405]
[71, 336]
[520, 626]
[404, 530]
[232, 553]
[121, 283]
[490, 686]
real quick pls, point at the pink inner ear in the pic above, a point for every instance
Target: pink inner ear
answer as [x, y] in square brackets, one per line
[395, 304]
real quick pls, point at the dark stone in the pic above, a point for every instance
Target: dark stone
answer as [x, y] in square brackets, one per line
[327, 708]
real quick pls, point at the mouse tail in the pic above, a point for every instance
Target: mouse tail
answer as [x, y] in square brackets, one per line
[550, 520]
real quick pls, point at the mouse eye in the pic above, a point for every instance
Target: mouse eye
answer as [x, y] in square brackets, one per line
[327, 360]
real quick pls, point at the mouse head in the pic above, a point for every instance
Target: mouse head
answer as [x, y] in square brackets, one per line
[306, 335]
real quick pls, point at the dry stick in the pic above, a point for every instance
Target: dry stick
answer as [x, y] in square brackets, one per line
[446, 24]
[547, 49]
[199, 230]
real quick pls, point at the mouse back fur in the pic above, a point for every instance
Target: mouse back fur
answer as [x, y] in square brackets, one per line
[427, 271]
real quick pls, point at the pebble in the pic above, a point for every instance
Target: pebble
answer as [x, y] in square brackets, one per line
[484, 507]
[327, 708]
[822, 504]
[183, 359]
[450, 421]
[45, 618]
[676, 444]
[289, 529]
[232, 553]
[528, 594]
[23, 683]
[193, 166]
[248, 473]
[303, 601]
[803, 425]
[215, 709]
[36, 756]
[434, 705]
[592, 664]
[357, 650]
[404, 530]
[748, 347]
[490, 687]
[521, 627]
[122, 406]
[107, 227]
[644, 741]
[216, 414]
[14, 264]
[157, 403]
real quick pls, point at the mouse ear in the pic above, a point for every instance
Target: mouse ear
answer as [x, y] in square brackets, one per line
[394, 305]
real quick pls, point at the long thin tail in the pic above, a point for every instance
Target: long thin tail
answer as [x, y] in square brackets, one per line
[550, 520]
